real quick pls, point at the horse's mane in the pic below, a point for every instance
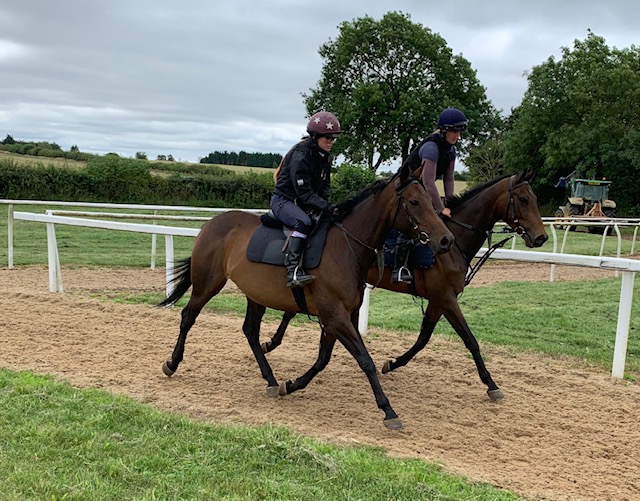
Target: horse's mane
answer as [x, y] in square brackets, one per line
[345, 207]
[456, 201]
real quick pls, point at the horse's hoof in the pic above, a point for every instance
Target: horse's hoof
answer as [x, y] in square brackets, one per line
[495, 395]
[283, 389]
[386, 367]
[393, 423]
[273, 391]
[265, 348]
[166, 369]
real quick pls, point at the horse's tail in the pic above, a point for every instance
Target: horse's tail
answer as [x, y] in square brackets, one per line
[181, 279]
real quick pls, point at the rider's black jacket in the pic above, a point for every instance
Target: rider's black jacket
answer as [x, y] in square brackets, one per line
[304, 178]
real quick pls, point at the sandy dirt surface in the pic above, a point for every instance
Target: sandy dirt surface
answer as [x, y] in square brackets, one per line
[563, 431]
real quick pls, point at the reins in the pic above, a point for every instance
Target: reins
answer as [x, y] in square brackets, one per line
[423, 236]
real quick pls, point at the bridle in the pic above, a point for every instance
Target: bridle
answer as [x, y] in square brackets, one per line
[511, 204]
[423, 236]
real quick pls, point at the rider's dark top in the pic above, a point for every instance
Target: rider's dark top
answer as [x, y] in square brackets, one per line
[447, 153]
[305, 176]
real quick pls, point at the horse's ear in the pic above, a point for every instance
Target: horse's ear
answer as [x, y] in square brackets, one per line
[530, 174]
[404, 172]
[418, 172]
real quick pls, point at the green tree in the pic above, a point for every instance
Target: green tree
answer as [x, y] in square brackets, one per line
[581, 112]
[388, 81]
[484, 162]
[349, 180]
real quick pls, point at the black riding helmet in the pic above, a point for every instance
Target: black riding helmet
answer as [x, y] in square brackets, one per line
[452, 119]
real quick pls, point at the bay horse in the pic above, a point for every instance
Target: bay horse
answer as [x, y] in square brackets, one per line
[508, 198]
[219, 254]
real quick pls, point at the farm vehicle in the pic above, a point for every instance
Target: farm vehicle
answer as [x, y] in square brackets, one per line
[589, 198]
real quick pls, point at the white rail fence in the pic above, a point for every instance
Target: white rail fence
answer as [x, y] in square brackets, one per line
[552, 222]
[155, 208]
[628, 268]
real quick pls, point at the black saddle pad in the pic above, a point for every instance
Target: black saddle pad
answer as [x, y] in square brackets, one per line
[420, 255]
[266, 246]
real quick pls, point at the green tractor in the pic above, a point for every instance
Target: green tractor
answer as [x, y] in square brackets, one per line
[589, 198]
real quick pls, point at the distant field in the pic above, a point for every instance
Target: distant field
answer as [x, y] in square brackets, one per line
[30, 161]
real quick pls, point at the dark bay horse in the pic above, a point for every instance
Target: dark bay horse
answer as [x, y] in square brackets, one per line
[219, 254]
[473, 215]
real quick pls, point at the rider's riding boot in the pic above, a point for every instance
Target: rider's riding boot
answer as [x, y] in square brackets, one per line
[400, 272]
[296, 277]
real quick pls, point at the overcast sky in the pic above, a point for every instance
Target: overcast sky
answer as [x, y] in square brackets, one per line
[191, 77]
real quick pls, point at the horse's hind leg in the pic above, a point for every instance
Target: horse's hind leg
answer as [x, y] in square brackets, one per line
[327, 342]
[275, 341]
[251, 329]
[458, 322]
[199, 297]
[426, 330]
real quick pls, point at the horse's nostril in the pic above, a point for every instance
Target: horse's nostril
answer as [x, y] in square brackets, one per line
[541, 239]
[446, 243]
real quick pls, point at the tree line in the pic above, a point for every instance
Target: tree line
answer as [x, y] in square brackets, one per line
[268, 160]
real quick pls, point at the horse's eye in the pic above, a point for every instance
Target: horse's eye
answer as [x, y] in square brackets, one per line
[523, 200]
[413, 202]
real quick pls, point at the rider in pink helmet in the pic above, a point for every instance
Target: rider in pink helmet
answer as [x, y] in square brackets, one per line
[303, 187]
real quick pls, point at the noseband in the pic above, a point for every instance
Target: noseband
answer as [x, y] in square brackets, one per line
[511, 206]
[423, 236]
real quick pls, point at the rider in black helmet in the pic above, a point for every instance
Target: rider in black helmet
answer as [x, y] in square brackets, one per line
[437, 156]
[302, 187]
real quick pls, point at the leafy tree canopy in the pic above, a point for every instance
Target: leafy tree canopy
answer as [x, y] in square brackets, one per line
[581, 112]
[387, 81]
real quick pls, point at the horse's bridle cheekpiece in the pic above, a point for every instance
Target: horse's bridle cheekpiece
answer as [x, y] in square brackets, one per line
[511, 204]
[423, 236]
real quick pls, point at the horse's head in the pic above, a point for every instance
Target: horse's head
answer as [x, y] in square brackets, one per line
[415, 214]
[522, 212]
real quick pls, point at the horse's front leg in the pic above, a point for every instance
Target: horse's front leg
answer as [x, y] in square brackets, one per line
[251, 329]
[275, 341]
[349, 336]
[456, 319]
[429, 321]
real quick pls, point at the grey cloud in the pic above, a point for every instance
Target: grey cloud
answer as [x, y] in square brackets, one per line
[197, 76]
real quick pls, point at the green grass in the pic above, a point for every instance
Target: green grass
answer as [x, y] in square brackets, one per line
[58, 442]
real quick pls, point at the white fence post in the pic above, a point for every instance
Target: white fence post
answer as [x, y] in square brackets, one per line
[55, 274]
[168, 246]
[154, 240]
[622, 330]
[363, 318]
[10, 236]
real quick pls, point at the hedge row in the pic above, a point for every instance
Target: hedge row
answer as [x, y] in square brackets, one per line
[119, 180]
[111, 179]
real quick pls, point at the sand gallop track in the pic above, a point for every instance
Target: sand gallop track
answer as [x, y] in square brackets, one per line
[563, 431]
